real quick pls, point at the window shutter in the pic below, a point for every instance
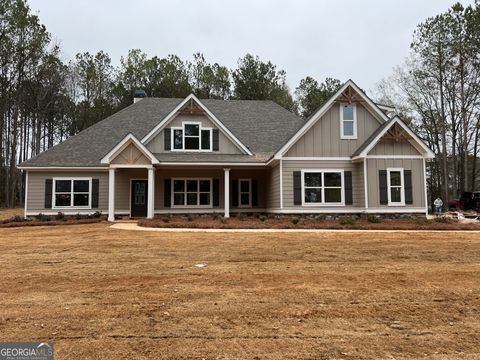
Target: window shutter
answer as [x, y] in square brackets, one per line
[407, 178]
[167, 136]
[95, 185]
[297, 188]
[254, 192]
[167, 193]
[347, 177]
[382, 181]
[215, 136]
[235, 193]
[216, 192]
[48, 193]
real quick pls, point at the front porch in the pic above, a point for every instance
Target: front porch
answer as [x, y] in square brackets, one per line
[148, 190]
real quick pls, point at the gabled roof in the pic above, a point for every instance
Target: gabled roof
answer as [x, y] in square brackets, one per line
[262, 126]
[212, 117]
[379, 114]
[368, 145]
[129, 139]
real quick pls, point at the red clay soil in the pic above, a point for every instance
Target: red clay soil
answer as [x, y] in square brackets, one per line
[287, 222]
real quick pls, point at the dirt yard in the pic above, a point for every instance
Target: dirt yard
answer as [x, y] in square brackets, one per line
[100, 293]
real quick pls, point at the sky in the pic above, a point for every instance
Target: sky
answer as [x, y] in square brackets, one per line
[358, 39]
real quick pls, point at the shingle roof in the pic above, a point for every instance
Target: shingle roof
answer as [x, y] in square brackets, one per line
[372, 137]
[208, 157]
[263, 126]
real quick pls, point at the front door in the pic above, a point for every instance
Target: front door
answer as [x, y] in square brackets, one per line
[139, 194]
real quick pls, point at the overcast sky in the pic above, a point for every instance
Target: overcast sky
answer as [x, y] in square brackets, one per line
[362, 40]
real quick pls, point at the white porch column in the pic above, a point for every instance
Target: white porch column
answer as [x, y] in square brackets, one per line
[365, 181]
[151, 193]
[111, 194]
[226, 199]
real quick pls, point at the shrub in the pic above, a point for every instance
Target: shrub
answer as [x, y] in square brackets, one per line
[241, 216]
[347, 221]
[262, 217]
[373, 218]
[165, 219]
[215, 215]
[444, 220]
[189, 217]
[60, 216]
[295, 220]
[97, 214]
[42, 217]
[223, 220]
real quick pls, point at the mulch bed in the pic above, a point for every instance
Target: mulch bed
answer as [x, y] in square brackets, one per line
[10, 224]
[287, 222]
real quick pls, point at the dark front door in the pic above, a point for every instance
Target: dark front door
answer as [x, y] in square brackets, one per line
[139, 198]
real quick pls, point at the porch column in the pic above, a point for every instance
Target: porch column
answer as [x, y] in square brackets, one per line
[365, 181]
[151, 193]
[226, 199]
[111, 194]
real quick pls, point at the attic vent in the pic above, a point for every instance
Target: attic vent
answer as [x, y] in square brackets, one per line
[139, 95]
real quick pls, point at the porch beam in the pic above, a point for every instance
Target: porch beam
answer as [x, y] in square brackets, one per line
[111, 194]
[151, 193]
[227, 192]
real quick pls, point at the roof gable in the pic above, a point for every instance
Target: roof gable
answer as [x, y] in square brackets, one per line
[192, 104]
[373, 140]
[129, 151]
[348, 92]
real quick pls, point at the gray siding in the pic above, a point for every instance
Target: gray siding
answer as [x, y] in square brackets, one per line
[273, 181]
[415, 165]
[36, 188]
[391, 147]
[357, 181]
[323, 138]
[122, 187]
[156, 145]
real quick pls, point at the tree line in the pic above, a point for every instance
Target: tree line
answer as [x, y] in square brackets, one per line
[44, 99]
[437, 89]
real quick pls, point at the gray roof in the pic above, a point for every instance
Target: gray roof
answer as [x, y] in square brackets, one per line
[262, 126]
[372, 137]
[209, 157]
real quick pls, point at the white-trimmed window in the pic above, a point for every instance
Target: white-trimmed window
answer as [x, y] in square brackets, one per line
[245, 192]
[192, 192]
[72, 193]
[348, 121]
[191, 137]
[396, 187]
[323, 187]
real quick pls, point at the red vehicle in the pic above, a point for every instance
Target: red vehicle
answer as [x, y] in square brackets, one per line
[468, 201]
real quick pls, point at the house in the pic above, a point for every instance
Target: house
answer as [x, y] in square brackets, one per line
[199, 156]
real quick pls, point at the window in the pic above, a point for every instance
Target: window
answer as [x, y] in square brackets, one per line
[396, 191]
[192, 137]
[348, 121]
[71, 193]
[245, 192]
[192, 192]
[322, 187]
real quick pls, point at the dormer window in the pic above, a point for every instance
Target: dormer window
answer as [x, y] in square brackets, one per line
[348, 121]
[192, 137]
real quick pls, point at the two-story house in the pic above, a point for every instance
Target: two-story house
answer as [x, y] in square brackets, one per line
[198, 156]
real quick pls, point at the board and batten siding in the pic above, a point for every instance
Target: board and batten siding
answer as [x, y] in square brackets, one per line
[156, 145]
[391, 147]
[298, 165]
[418, 188]
[323, 138]
[36, 189]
